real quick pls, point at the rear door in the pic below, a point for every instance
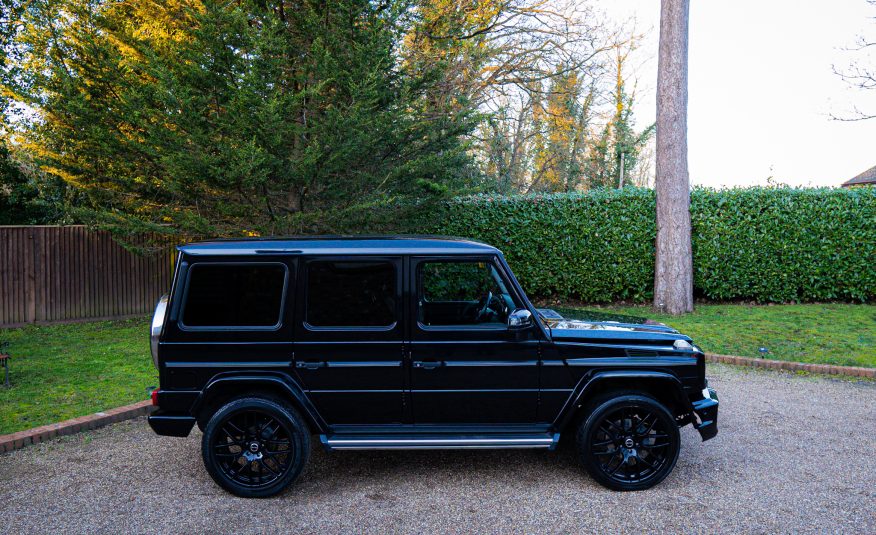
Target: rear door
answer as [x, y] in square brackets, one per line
[349, 337]
[467, 367]
[234, 313]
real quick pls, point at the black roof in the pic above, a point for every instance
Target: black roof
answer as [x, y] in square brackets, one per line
[339, 245]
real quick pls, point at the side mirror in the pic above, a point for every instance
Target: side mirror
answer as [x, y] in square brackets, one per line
[519, 319]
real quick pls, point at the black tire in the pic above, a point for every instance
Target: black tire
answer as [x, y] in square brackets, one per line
[628, 442]
[255, 447]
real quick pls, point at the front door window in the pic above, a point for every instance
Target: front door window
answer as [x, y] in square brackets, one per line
[468, 293]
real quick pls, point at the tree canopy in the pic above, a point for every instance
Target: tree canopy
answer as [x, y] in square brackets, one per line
[201, 118]
[216, 117]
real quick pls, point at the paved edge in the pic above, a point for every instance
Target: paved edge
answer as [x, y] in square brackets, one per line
[45, 433]
[827, 369]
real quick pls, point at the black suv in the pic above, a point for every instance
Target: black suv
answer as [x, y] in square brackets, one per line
[406, 343]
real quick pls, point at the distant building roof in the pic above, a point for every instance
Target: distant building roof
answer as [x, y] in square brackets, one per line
[867, 177]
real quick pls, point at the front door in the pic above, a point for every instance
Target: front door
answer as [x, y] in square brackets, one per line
[349, 338]
[466, 366]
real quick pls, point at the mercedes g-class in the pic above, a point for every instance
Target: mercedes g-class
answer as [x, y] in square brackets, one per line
[406, 343]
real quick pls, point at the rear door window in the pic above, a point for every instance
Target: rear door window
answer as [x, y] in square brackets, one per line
[351, 294]
[228, 296]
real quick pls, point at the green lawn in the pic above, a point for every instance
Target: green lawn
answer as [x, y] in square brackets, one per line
[64, 371]
[838, 334]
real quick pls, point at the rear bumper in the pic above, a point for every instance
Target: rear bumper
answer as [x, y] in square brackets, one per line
[170, 424]
[706, 411]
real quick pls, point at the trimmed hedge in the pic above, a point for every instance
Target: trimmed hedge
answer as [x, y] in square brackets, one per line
[762, 244]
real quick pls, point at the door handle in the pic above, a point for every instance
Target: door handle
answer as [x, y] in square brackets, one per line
[428, 364]
[310, 364]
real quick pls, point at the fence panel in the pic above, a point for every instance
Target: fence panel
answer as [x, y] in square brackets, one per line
[65, 273]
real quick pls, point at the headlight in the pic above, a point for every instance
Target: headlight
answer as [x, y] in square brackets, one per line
[157, 325]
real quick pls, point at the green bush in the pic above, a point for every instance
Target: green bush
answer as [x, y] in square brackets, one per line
[762, 244]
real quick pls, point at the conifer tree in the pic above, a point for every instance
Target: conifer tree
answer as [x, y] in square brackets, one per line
[204, 118]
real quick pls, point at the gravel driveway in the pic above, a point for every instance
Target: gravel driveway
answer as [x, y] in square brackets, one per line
[793, 454]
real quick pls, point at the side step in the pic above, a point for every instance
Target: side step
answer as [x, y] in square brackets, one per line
[439, 442]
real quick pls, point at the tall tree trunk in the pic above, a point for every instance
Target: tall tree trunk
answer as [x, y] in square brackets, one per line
[673, 273]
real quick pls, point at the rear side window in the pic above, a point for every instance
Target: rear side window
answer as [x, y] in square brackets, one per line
[351, 294]
[234, 295]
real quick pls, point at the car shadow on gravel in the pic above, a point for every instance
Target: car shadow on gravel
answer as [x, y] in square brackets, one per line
[359, 470]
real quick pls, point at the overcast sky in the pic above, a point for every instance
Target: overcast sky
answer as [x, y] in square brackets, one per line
[761, 89]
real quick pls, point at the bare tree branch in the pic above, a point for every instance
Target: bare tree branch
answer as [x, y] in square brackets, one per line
[859, 75]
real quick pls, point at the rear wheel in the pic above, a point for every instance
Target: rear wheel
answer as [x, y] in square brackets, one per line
[628, 442]
[255, 447]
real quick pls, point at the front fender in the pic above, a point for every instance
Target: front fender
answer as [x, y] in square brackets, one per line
[625, 379]
[273, 382]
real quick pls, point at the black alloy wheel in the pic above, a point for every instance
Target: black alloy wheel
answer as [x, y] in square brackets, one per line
[629, 442]
[255, 447]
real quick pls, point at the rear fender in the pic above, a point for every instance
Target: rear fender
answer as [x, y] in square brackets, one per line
[224, 386]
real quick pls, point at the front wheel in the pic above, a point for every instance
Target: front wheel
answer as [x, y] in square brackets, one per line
[629, 442]
[255, 447]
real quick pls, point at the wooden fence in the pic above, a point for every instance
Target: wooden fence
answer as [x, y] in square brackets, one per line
[66, 273]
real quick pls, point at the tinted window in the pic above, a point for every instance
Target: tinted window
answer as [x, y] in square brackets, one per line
[351, 294]
[228, 295]
[463, 293]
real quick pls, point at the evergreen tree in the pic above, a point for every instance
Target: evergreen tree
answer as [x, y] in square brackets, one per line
[17, 195]
[25, 199]
[615, 153]
[218, 118]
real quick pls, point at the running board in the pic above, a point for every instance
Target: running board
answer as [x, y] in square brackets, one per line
[439, 442]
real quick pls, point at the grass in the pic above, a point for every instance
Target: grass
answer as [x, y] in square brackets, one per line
[839, 334]
[63, 371]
